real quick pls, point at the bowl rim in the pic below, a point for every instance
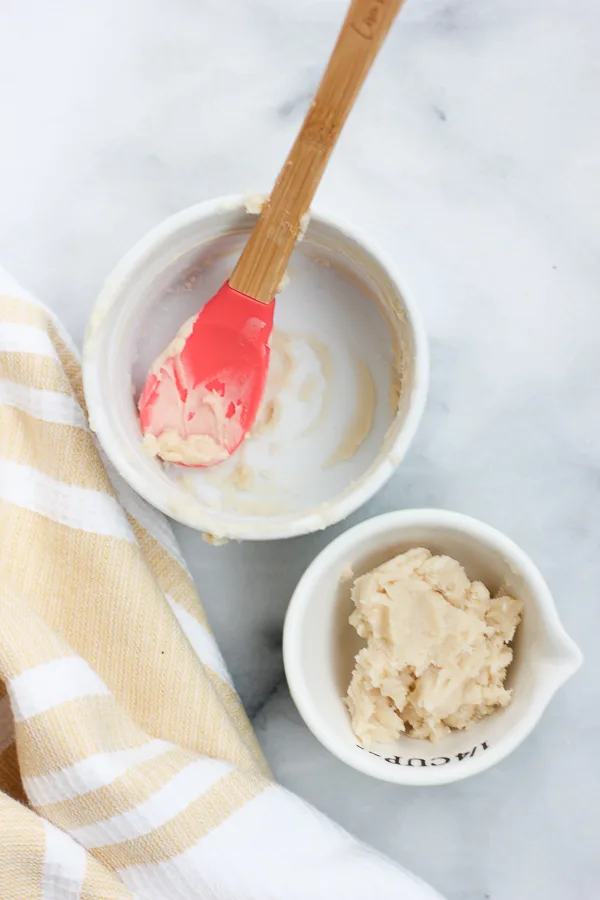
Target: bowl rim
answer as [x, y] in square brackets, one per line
[559, 673]
[244, 527]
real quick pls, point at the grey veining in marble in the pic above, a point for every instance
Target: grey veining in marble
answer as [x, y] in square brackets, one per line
[473, 157]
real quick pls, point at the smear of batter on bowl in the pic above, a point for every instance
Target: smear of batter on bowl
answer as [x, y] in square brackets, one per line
[281, 366]
[268, 418]
[347, 573]
[323, 354]
[175, 347]
[213, 539]
[193, 450]
[238, 477]
[297, 403]
[362, 422]
[285, 280]
[190, 278]
[294, 395]
[309, 388]
[395, 321]
[243, 477]
[304, 223]
[395, 390]
[254, 203]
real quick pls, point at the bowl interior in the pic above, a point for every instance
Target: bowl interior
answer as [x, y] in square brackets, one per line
[321, 645]
[348, 350]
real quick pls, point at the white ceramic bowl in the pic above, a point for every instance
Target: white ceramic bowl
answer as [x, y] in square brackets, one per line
[319, 645]
[342, 292]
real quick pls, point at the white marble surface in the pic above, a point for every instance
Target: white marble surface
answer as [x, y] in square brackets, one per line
[473, 157]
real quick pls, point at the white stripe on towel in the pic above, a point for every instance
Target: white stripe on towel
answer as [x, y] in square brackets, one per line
[49, 685]
[18, 338]
[70, 505]
[278, 839]
[202, 642]
[165, 804]
[49, 406]
[8, 285]
[64, 867]
[150, 519]
[89, 774]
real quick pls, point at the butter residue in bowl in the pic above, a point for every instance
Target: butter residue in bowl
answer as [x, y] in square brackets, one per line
[282, 365]
[437, 649]
[296, 404]
[189, 450]
[323, 354]
[360, 427]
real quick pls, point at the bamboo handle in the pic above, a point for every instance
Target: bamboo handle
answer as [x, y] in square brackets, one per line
[264, 259]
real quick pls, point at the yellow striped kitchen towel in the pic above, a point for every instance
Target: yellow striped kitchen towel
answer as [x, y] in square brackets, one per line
[127, 765]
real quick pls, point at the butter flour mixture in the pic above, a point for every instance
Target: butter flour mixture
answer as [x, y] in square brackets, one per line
[437, 649]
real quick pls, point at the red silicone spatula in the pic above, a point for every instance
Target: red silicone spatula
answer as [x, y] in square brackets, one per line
[200, 402]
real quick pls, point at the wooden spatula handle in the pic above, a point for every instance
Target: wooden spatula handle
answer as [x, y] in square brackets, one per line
[262, 264]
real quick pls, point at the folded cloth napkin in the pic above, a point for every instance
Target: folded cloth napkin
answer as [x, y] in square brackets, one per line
[127, 765]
